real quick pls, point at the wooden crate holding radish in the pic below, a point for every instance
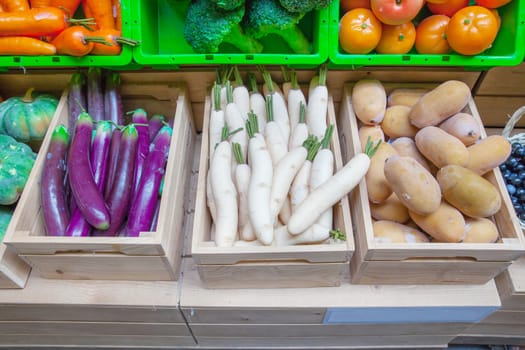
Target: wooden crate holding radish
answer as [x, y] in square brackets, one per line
[154, 254]
[258, 259]
[406, 239]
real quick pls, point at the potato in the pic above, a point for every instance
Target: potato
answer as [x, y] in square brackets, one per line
[369, 101]
[440, 103]
[406, 147]
[405, 96]
[374, 131]
[396, 123]
[392, 232]
[488, 153]
[446, 224]
[463, 126]
[480, 230]
[440, 147]
[414, 185]
[377, 186]
[469, 192]
[391, 209]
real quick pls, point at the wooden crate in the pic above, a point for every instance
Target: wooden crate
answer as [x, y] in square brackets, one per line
[261, 266]
[151, 256]
[428, 263]
[511, 287]
[13, 270]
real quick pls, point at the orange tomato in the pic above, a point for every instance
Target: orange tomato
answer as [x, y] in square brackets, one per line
[397, 39]
[436, 1]
[430, 35]
[498, 18]
[472, 30]
[347, 5]
[448, 8]
[492, 4]
[359, 31]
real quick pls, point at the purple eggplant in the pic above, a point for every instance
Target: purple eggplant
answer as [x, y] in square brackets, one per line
[142, 208]
[155, 124]
[83, 186]
[78, 226]
[112, 160]
[120, 195]
[112, 99]
[140, 120]
[95, 96]
[76, 99]
[155, 218]
[52, 189]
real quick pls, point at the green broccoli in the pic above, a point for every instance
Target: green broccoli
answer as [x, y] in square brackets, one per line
[304, 5]
[206, 27]
[265, 17]
[228, 4]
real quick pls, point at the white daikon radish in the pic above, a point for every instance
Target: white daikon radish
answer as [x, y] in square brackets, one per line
[322, 171]
[242, 183]
[287, 84]
[330, 192]
[275, 141]
[300, 131]
[280, 109]
[225, 195]
[261, 179]
[314, 234]
[301, 184]
[236, 123]
[257, 102]
[317, 107]
[215, 129]
[295, 99]
[241, 95]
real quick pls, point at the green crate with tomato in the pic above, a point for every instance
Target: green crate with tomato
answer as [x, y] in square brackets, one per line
[476, 34]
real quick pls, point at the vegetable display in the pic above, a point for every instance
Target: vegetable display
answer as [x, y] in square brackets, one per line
[417, 26]
[92, 183]
[37, 28]
[273, 181]
[430, 172]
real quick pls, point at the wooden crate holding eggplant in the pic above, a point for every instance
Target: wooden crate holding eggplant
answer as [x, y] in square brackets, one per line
[253, 265]
[153, 254]
[445, 251]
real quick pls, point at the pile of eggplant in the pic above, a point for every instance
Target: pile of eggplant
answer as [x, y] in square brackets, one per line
[103, 173]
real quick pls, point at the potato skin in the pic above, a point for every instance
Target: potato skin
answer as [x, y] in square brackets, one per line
[440, 147]
[414, 185]
[463, 126]
[446, 224]
[377, 186]
[405, 96]
[469, 192]
[488, 153]
[405, 146]
[392, 209]
[445, 100]
[480, 230]
[396, 123]
[392, 232]
[369, 101]
[374, 131]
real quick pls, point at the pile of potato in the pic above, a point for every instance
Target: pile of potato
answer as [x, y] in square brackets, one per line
[426, 181]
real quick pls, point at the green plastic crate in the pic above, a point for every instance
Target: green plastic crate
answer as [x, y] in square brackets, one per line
[507, 50]
[59, 61]
[160, 28]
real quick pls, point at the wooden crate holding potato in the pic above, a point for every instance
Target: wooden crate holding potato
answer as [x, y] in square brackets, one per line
[406, 253]
[258, 266]
[154, 255]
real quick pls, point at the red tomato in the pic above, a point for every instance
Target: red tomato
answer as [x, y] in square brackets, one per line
[472, 30]
[447, 8]
[492, 4]
[396, 12]
[430, 35]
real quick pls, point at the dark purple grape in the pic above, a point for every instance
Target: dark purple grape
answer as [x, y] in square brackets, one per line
[511, 177]
[512, 162]
[503, 167]
[518, 209]
[511, 189]
[520, 167]
[515, 145]
[522, 216]
[520, 151]
[514, 199]
[506, 174]
[521, 198]
[521, 175]
[520, 191]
